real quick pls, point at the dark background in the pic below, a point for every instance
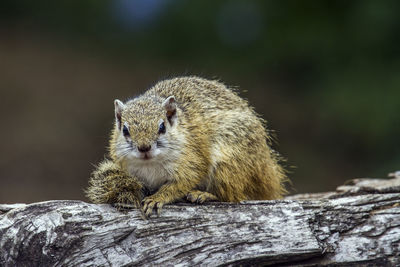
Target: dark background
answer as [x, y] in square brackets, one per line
[325, 74]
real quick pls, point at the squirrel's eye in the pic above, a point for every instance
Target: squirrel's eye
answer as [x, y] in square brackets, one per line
[161, 129]
[125, 131]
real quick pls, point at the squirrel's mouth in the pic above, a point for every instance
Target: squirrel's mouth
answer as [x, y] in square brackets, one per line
[145, 156]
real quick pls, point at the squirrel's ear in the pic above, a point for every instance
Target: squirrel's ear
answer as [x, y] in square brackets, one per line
[170, 107]
[119, 107]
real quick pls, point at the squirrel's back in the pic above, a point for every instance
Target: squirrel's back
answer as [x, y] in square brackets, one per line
[198, 93]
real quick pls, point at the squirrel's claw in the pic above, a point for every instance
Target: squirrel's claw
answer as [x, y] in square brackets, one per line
[149, 204]
[200, 197]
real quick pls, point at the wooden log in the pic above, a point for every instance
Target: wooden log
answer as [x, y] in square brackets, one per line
[357, 224]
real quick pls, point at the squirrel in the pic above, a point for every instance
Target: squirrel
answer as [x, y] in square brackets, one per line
[187, 137]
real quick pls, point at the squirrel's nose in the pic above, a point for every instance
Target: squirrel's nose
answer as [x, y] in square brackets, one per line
[144, 149]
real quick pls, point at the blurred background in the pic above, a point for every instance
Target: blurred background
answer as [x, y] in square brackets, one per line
[325, 74]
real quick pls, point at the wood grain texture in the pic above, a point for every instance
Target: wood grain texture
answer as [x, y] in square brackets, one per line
[352, 226]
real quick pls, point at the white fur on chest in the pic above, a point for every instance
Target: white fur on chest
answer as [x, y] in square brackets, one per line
[152, 174]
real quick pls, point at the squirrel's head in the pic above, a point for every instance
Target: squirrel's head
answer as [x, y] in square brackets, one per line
[145, 128]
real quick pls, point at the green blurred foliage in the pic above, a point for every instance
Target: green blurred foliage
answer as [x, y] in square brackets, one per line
[332, 66]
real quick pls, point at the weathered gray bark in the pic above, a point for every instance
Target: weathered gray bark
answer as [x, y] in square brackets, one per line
[357, 224]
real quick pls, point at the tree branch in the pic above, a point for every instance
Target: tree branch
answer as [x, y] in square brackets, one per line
[359, 224]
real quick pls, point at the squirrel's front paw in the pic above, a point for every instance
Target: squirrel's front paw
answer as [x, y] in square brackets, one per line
[150, 203]
[197, 196]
